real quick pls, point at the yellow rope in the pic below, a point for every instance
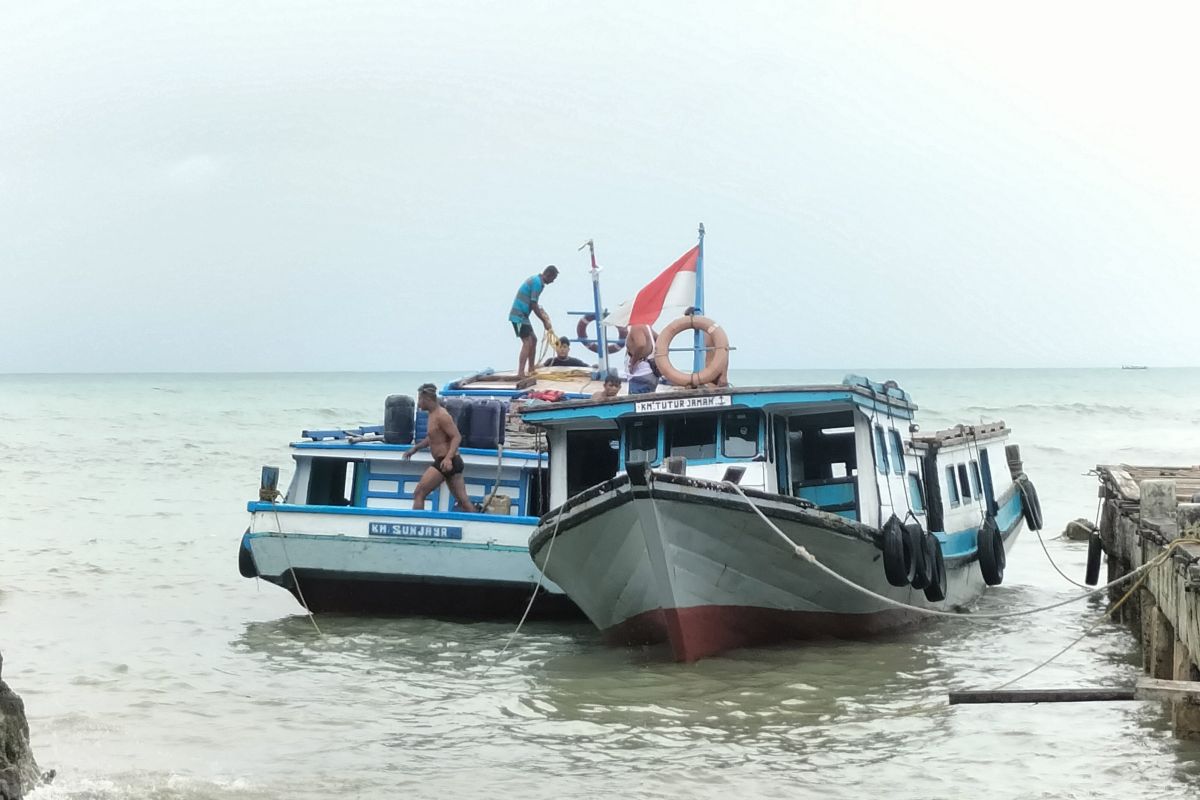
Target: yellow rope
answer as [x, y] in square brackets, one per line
[549, 345]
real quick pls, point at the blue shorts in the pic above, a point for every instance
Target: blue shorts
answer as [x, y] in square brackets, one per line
[643, 384]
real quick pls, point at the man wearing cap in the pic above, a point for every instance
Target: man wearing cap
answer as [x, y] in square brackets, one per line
[562, 355]
[442, 440]
[524, 304]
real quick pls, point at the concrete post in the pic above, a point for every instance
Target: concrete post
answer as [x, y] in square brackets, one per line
[1159, 503]
[1162, 646]
[1184, 713]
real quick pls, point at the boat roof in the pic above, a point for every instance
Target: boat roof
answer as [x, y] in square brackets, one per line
[885, 398]
[574, 382]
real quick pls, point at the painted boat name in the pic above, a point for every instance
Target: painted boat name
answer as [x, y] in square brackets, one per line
[414, 531]
[682, 403]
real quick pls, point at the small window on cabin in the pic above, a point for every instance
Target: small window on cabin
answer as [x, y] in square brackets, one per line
[693, 437]
[916, 493]
[740, 434]
[881, 456]
[897, 452]
[641, 441]
[976, 484]
[331, 482]
[952, 486]
[962, 481]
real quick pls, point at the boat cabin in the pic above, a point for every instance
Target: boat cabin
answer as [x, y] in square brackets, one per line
[848, 449]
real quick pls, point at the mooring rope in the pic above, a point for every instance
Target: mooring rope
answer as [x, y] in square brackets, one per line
[803, 553]
[536, 588]
[288, 559]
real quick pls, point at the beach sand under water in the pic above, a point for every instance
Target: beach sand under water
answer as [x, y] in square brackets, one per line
[150, 669]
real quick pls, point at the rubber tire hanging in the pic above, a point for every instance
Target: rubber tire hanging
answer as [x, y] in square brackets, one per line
[924, 568]
[935, 590]
[989, 547]
[1031, 507]
[898, 561]
[1095, 550]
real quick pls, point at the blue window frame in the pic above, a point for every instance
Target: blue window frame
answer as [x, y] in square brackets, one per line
[881, 456]
[963, 483]
[976, 483]
[739, 434]
[897, 452]
[952, 487]
[693, 436]
[641, 440]
[916, 493]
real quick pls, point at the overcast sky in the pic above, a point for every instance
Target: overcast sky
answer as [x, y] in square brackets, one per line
[356, 186]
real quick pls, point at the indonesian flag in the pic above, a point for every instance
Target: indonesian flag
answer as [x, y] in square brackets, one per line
[673, 291]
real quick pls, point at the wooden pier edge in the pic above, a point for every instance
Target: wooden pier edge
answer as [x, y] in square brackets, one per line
[1146, 689]
[1142, 511]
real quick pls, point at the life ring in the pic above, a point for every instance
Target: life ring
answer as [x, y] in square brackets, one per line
[1095, 548]
[898, 561]
[1031, 507]
[581, 333]
[716, 362]
[935, 590]
[989, 547]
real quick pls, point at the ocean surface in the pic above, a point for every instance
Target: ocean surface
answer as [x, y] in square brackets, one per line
[151, 669]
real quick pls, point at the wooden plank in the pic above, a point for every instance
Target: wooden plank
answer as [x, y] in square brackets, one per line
[1157, 689]
[978, 696]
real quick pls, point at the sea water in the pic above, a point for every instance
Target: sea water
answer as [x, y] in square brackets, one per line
[151, 669]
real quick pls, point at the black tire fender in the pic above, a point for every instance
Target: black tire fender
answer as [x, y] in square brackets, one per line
[897, 557]
[1031, 507]
[246, 565]
[1095, 550]
[935, 591]
[923, 564]
[989, 548]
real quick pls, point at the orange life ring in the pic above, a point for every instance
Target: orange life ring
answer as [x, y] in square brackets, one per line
[716, 360]
[581, 333]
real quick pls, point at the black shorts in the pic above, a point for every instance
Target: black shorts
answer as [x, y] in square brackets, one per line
[456, 467]
[523, 330]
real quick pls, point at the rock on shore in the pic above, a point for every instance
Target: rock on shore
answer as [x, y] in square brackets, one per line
[18, 770]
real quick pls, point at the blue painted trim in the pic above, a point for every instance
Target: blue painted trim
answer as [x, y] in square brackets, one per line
[395, 540]
[962, 543]
[358, 511]
[367, 447]
[763, 399]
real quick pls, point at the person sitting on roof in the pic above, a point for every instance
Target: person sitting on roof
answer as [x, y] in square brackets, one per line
[612, 385]
[562, 356]
[442, 440]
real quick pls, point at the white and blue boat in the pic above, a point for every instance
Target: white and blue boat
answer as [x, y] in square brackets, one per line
[344, 536]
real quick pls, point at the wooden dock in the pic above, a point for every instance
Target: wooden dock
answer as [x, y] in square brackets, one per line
[1143, 511]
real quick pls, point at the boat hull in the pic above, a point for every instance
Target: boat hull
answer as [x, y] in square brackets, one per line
[478, 577]
[689, 563]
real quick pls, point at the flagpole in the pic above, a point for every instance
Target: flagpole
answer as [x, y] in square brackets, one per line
[599, 309]
[698, 347]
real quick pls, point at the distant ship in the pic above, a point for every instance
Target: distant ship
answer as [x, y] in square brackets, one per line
[1134, 366]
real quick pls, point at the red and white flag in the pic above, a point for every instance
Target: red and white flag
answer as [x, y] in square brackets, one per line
[672, 292]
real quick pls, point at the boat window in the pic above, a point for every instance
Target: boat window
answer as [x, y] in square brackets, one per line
[976, 484]
[740, 434]
[951, 486]
[819, 446]
[916, 493]
[692, 436]
[897, 452]
[962, 481]
[641, 440]
[881, 456]
[331, 482]
[591, 458]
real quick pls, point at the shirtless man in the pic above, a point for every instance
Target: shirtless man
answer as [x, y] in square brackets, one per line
[612, 385]
[442, 440]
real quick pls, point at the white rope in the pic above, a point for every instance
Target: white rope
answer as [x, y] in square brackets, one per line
[803, 553]
[291, 569]
[536, 588]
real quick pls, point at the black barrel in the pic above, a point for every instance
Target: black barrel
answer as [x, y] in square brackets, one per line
[487, 423]
[459, 409]
[398, 419]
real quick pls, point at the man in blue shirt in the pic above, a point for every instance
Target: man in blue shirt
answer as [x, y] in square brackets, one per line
[524, 304]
